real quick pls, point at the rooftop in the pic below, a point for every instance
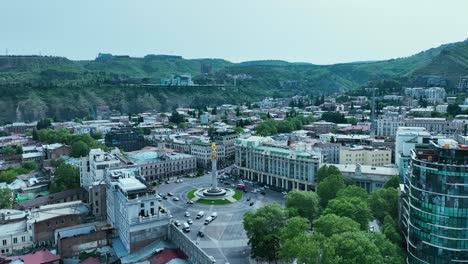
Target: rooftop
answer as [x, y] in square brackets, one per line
[130, 184]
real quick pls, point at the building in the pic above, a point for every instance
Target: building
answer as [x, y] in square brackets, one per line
[329, 152]
[434, 203]
[406, 140]
[158, 165]
[125, 138]
[202, 151]
[227, 138]
[320, 127]
[14, 235]
[387, 126]
[435, 95]
[53, 151]
[133, 209]
[437, 126]
[19, 127]
[369, 178]
[92, 174]
[281, 168]
[365, 156]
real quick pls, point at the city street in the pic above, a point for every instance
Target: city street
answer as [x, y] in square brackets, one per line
[225, 238]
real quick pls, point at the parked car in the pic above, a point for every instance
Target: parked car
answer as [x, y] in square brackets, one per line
[251, 204]
[177, 223]
[189, 221]
[200, 234]
[176, 199]
[165, 197]
[187, 214]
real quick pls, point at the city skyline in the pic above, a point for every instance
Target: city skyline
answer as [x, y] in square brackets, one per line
[321, 32]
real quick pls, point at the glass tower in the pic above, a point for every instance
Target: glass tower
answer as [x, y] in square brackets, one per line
[434, 205]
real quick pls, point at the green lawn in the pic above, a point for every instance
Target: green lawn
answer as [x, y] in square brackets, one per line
[191, 194]
[237, 195]
[217, 202]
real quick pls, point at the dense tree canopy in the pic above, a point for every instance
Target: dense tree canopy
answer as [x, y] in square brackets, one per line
[6, 198]
[384, 202]
[330, 224]
[394, 182]
[306, 203]
[351, 207]
[66, 177]
[329, 187]
[327, 170]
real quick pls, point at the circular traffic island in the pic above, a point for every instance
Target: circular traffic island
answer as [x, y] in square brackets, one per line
[217, 195]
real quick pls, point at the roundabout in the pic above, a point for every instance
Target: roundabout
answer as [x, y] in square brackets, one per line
[226, 196]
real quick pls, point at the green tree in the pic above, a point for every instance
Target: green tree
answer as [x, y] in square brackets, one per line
[30, 165]
[214, 111]
[352, 207]
[238, 129]
[294, 226]
[263, 230]
[66, 177]
[305, 248]
[390, 230]
[6, 198]
[329, 187]
[327, 170]
[353, 191]
[383, 202]
[79, 149]
[391, 253]
[96, 135]
[394, 182]
[355, 247]
[330, 224]
[306, 203]
[238, 112]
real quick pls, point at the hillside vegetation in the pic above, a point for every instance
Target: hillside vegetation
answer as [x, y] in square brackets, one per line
[35, 87]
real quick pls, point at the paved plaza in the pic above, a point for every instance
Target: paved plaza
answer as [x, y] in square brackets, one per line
[225, 238]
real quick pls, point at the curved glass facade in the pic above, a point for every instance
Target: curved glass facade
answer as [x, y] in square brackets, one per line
[437, 202]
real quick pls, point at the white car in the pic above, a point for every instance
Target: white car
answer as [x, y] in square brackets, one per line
[187, 214]
[176, 199]
[189, 221]
[190, 202]
[177, 223]
[284, 193]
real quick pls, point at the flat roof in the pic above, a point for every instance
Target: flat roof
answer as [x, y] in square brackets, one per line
[130, 184]
[366, 169]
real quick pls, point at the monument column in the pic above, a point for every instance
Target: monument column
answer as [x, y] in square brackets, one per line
[214, 169]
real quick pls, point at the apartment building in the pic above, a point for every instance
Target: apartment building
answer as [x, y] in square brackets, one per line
[365, 155]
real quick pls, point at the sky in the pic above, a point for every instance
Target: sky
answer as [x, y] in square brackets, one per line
[315, 31]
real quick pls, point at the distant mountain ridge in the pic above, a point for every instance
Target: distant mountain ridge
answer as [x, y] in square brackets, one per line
[37, 86]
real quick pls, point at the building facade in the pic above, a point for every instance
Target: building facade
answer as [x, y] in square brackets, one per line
[281, 168]
[133, 209]
[125, 139]
[227, 138]
[369, 178]
[365, 156]
[434, 203]
[406, 139]
[329, 152]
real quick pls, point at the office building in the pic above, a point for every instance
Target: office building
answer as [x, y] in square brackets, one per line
[434, 203]
[365, 155]
[406, 140]
[329, 152]
[227, 138]
[125, 138]
[279, 167]
[367, 177]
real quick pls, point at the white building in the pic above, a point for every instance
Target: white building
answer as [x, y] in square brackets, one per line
[406, 139]
[133, 209]
[435, 95]
[369, 178]
[365, 156]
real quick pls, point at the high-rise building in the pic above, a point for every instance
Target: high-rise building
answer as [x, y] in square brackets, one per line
[406, 139]
[434, 203]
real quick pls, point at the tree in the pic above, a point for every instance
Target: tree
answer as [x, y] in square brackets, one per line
[35, 135]
[44, 123]
[394, 182]
[355, 247]
[383, 202]
[327, 170]
[66, 177]
[305, 248]
[391, 253]
[390, 230]
[6, 198]
[263, 229]
[238, 112]
[79, 149]
[176, 118]
[353, 191]
[334, 117]
[329, 187]
[294, 226]
[453, 109]
[97, 135]
[214, 111]
[352, 207]
[238, 129]
[306, 203]
[30, 165]
[330, 224]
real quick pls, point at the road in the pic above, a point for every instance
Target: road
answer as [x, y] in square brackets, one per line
[225, 238]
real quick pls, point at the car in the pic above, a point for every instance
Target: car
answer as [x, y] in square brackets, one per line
[187, 214]
[177, 181]
[266, 187]
[177, 223]
[200, 234]
[167, 182]
[226, 183]
[233, 185]
[284, 193]
[160, 198]
[169, 194]
[251, 203]
[175, 199]
[263, 193]
[248, 199]
[254, 191]
[181, 180]
[371, 228]
[261, 188]
[190, 202]
[165, 197]
[189, 221]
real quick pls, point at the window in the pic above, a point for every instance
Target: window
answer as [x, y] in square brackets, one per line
[15, 240]
[4, 242]
[23, 239]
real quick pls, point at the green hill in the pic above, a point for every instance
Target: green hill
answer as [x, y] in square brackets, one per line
[33, 87]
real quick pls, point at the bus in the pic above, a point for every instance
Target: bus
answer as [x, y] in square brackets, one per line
[241, 186]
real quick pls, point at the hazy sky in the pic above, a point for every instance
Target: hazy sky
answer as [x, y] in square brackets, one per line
[316, 31]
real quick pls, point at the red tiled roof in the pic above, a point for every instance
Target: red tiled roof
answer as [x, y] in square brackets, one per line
[38, 257]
